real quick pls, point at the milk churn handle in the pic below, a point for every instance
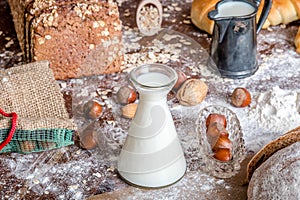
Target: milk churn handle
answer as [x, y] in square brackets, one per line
[264, 14]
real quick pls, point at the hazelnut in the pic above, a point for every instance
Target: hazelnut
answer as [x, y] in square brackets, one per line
[27, 146]
[215, 117]
[192, 92]
[241, 97]
[88, 138]
[223, 142]
[129, 110]
[92, 109]
[48, 145]
[222, 154]
[181, 79]
[214, 131]
[126, 95]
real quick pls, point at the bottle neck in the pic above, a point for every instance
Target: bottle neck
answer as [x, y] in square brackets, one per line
[160, 96]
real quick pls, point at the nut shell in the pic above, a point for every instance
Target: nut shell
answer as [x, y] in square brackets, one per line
[215, 117]
[126, 95]
[241, 97]
[88, 138]
[48, 145]
[214, 131]
[223, 142]
[129, 110]
[27, 146]
[192, 92]
[222, 154]
[181, 79]
[92, 109]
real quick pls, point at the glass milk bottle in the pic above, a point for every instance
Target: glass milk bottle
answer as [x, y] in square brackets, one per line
[152, 155]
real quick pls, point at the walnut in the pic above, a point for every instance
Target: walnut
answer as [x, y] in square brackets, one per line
[192, 92]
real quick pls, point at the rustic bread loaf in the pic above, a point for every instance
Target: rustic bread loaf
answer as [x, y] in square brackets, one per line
[78, 37]
[278, 177]
[268, 150]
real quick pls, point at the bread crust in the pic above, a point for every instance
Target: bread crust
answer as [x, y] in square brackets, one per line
[199, 11]
[278, 177]
[268, 150]
[282, 12]
[297, 41]
[79, 38]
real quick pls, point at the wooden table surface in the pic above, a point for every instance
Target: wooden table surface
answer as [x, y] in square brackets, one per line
[176, 18]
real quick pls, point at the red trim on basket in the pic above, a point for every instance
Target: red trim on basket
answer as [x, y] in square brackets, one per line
[14, 117]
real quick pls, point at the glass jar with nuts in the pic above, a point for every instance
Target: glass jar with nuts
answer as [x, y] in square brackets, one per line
[222, 147]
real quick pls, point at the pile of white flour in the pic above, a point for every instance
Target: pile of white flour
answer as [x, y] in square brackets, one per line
[276, 110]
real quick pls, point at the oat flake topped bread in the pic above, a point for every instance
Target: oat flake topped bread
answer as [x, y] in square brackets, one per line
[78, 37]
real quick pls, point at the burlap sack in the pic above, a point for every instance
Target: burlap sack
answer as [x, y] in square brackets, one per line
[43, 122]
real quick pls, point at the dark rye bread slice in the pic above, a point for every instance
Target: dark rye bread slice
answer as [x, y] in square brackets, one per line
[79, 38]
[268, 150]
[278, 177]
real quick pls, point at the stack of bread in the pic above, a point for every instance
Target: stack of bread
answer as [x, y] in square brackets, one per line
[282, 12]
[78, 37]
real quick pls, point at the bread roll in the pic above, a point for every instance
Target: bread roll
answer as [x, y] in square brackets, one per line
[297, 41]
[199, 11]
[278, 177]
[282, 12]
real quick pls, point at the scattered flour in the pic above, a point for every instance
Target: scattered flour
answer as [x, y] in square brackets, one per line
[276, 110]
